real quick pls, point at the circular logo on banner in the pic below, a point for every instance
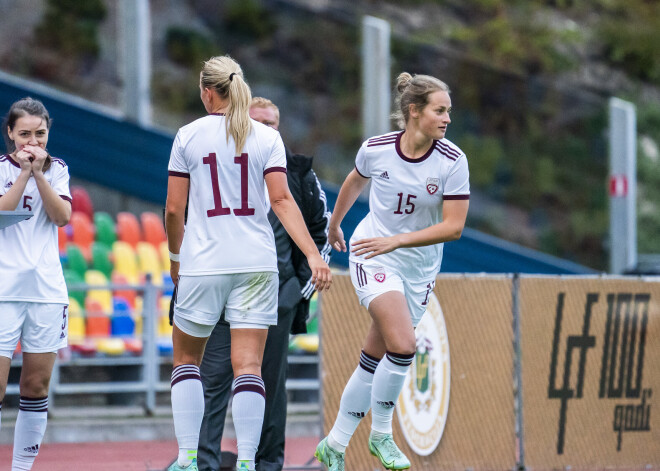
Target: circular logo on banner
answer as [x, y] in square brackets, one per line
[424, 401]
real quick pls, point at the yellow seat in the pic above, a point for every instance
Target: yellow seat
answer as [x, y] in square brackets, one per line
[125, 261]
[164, 252]
[76, 330]
[149, 262]
[75, 310]
[111, 346]
[306, 342]
[103, 296]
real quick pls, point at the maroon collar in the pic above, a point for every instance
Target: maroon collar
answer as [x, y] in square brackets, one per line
[408, 159]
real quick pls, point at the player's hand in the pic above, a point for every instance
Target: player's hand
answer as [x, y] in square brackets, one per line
[321, 275]
[39, 156]
[24, 159]
[375, 246]
[336, 239]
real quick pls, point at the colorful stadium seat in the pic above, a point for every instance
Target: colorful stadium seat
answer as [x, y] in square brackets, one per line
[103, 296]
[128, 228]
[149, 262]
[111, 346]
[71, 277]
[164, 253]
[62, 239]
[81, 201]
[101, 258]
[125, 260]
[105, 228]
[128, 294]
[75, 260]
[97, 322]
[83, 232]
[152, 228]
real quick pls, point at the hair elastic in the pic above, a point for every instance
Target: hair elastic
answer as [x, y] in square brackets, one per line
[231, 76]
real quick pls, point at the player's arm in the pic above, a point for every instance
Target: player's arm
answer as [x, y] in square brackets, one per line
[287, 211]
[175, 210]
[349, 192]
[454, 213]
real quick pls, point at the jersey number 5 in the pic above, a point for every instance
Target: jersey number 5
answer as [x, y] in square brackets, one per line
[218, 209]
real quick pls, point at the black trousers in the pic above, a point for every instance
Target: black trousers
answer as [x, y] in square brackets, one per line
[217, 377]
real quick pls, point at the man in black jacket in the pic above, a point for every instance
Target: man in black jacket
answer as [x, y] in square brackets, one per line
[295, 292]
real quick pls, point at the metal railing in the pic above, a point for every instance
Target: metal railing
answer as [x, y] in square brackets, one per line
[150, 359]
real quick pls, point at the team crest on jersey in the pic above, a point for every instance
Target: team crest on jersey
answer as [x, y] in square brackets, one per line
[379, 276]
[432, 185]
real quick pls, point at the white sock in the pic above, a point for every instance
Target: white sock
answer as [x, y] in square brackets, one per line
[247, 409]
[388, 381]
[29, 432]
[354, 404]
[187, 410]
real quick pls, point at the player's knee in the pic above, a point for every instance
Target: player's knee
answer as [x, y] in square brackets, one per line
[34, 386]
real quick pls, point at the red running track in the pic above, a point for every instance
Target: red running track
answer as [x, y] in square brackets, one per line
[138, 455]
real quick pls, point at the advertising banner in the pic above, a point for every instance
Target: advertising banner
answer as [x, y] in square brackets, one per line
[590, 367]
[456, 410]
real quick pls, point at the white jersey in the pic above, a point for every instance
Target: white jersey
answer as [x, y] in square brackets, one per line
[30, 268]
[406, 195]
[227, 229]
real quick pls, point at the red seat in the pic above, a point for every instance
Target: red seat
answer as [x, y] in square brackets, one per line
[62, 239]
[81, 201]
[83, 232]
[153, 228]
[128, 294]
[128, 228]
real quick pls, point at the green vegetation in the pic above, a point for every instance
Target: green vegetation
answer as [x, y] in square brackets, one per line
[71, 27]
[188, 47]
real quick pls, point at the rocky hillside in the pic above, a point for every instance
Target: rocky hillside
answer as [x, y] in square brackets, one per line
[530, 81]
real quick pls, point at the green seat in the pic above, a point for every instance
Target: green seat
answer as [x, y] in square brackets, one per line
[72, 278]
[106, 232]
[101, 258]
[75, 260]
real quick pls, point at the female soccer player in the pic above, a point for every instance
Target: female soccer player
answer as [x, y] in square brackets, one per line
[226, 259]
[418, 200]
[33, 295]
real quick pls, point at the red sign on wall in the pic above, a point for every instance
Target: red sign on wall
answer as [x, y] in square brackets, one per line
[618, 185]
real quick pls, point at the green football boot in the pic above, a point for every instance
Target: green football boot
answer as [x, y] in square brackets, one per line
[330, 457]
[383, 447]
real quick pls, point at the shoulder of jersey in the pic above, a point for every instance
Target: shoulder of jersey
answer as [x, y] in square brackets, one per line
[448, 149]
[383, 140]
[262, 128]
[58, 161]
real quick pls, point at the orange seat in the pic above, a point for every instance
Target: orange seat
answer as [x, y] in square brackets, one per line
[153, 228]
[83, 232]
[62, 239]
[128, 294]
[128, 228]
[97, 325]
[80, 201]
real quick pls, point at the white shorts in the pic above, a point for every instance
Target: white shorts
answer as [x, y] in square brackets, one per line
[247, 298]
[371, 279]
[41, 327]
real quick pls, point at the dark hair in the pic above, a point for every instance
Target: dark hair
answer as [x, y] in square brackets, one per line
[24, 107]
[414, 90]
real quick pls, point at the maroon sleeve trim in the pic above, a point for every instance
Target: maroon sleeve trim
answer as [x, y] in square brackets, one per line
[455, 197]
[172, 173]
[274, 169]
[363, 176]
[66, 198]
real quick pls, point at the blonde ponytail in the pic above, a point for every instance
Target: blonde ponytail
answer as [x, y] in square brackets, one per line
[224, 75]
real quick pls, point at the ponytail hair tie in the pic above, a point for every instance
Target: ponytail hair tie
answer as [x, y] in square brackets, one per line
[231, 76]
